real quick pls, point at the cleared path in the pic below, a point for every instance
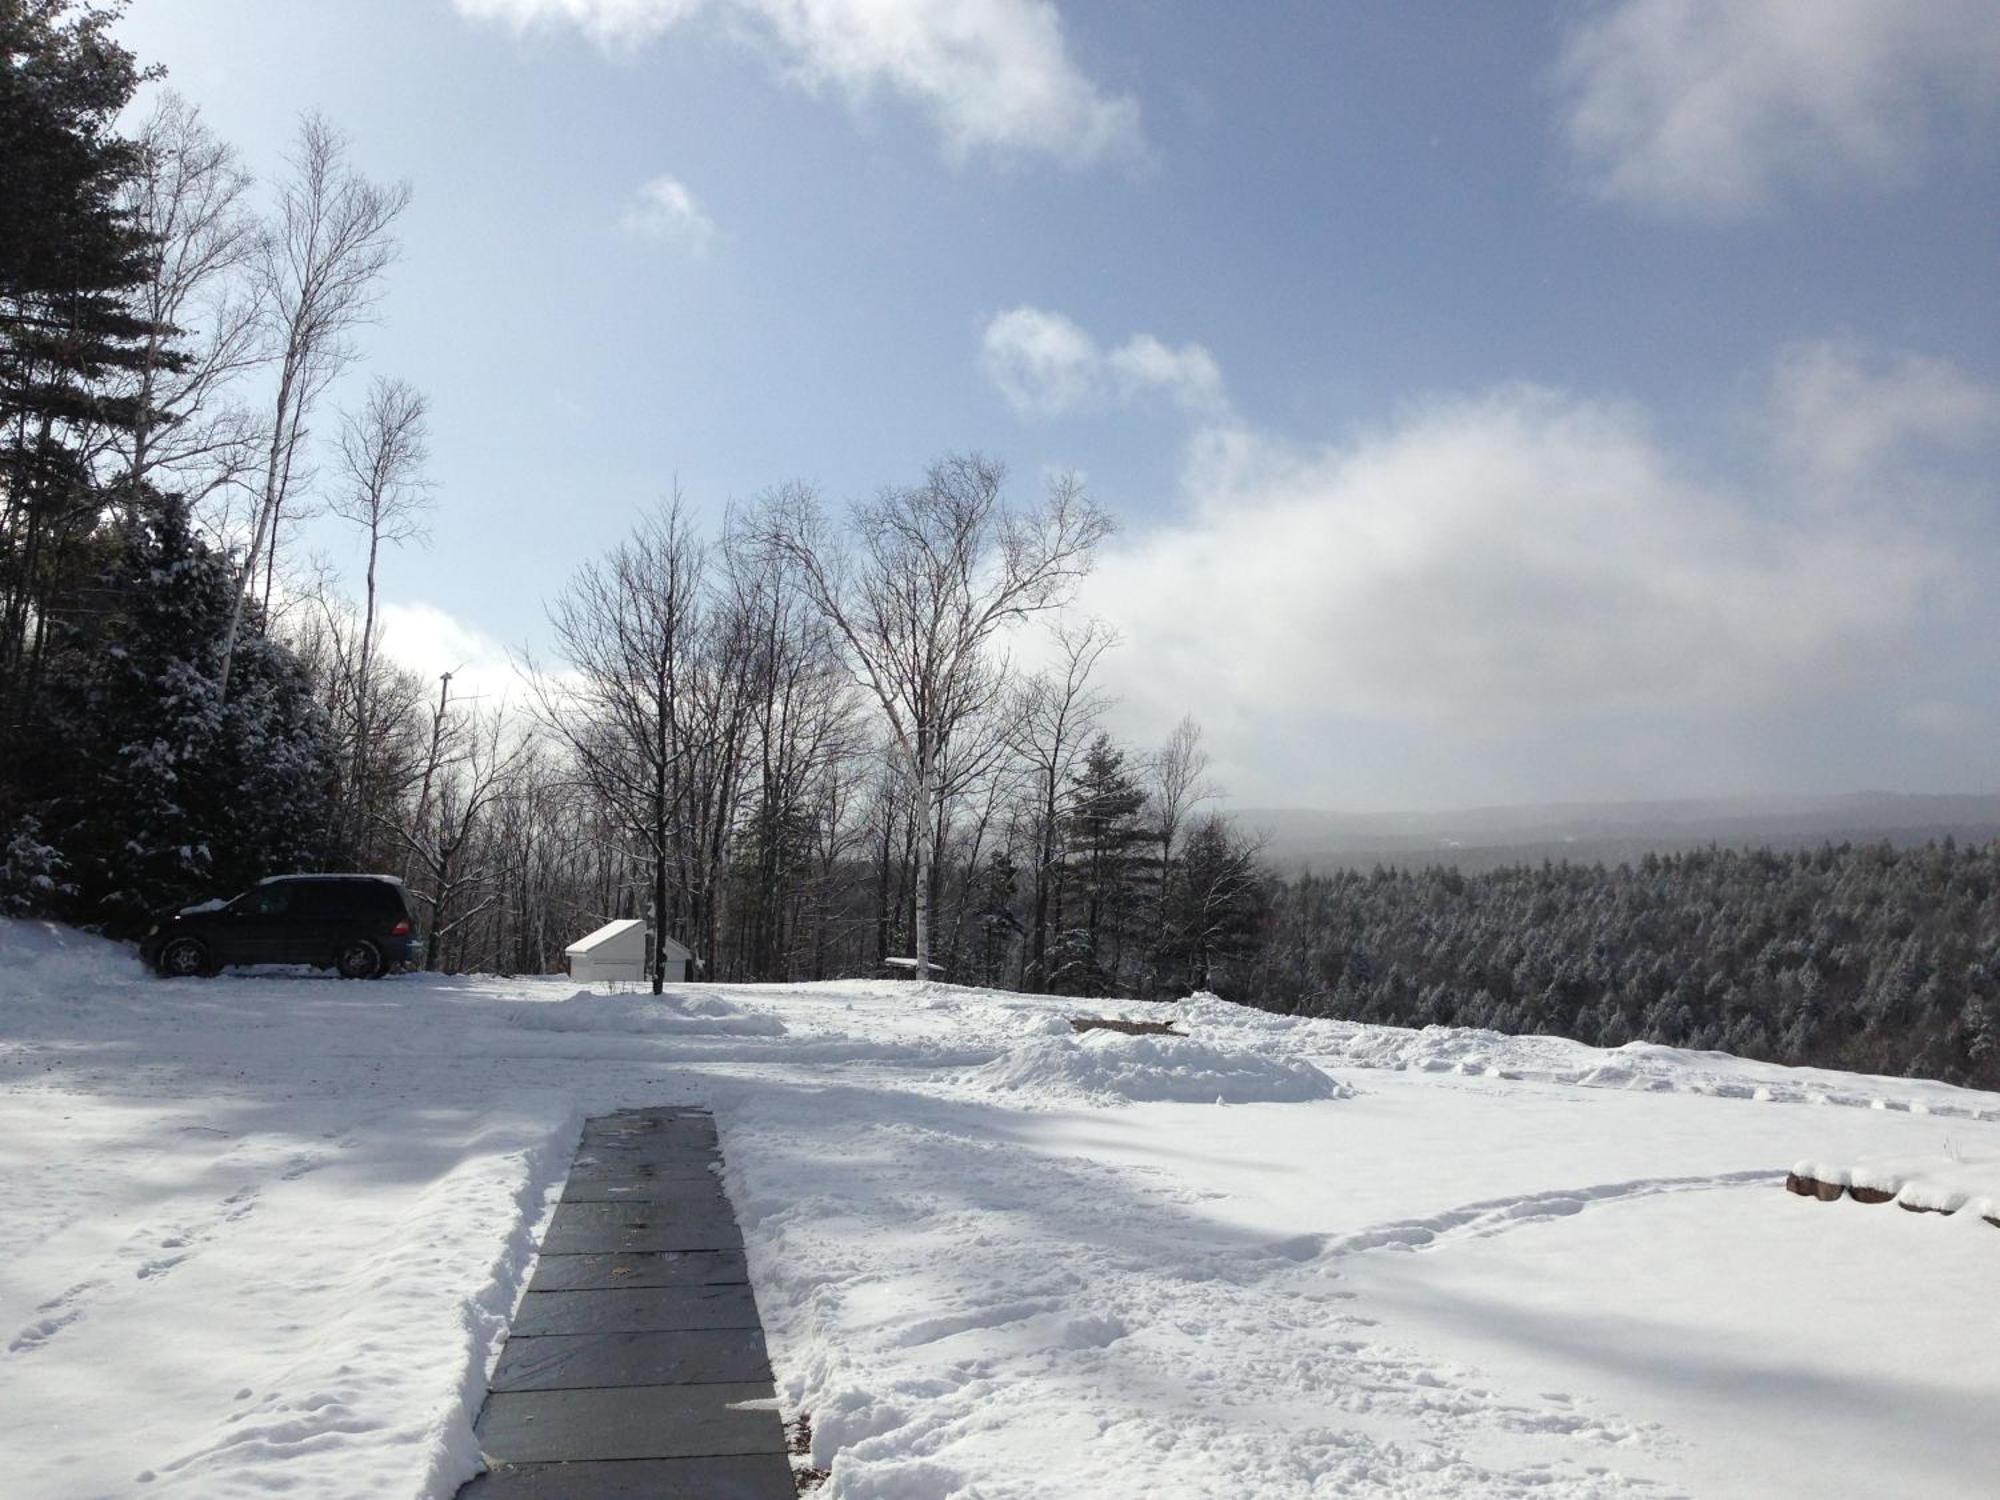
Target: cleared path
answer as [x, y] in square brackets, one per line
[635, 1368]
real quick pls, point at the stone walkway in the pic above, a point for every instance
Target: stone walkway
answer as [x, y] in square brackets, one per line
[635, 1368]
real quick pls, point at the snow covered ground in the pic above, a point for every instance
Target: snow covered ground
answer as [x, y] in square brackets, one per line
[262, 1234]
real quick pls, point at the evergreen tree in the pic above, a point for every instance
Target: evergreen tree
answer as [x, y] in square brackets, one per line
[150, 788]
[71, 258]
[1214, 910]
[1868, 958]
[1105, 866]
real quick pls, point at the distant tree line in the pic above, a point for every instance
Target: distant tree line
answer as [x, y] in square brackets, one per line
[1863, 957]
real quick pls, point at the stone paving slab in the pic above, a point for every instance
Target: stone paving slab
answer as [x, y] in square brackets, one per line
[631, 1189]
[705, 1222]
[651, 1421]
[599, 1148]
[627, 1270]
[636, 1368]
[560, 1362]
[671, 1167]
[760, 1476]
[658, 1309]
[644, 1133]
[681, 1195]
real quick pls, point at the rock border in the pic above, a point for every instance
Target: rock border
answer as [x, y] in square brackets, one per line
[1833, 1192]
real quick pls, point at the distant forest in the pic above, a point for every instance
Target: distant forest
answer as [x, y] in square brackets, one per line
[793, 736]
[1861, 957]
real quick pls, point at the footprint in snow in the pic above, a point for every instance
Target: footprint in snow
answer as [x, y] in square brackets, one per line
[1500, 1215]
[61, 1311]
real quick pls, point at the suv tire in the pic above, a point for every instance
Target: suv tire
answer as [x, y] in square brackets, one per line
[359, 959]
[185, 958]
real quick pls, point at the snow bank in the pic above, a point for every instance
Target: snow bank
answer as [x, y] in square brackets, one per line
[47, 958]
[1639, 1067]
[1107, 1067]
[646, 1015]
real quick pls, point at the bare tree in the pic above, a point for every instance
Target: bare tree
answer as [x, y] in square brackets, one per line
[199, 303]
[1054, 715]
[1180, 783]
[935, 572]
[469, 767]
[319, 272]
[1178, 773]
[383, 490]
[626, 629]
[801, 730]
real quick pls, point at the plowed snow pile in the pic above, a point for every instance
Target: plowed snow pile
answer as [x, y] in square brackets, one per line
[1107, 1067]
[647, 1015]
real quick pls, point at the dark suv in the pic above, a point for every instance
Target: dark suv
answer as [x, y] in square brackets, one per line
[358, 924]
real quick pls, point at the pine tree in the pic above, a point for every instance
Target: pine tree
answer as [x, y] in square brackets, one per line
[151, 789]
[1106, 868]
[71, 258]
[1214, 910]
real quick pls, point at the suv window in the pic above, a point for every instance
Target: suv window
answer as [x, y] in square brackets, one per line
[381, 897]
[266, 901]
[329, 898]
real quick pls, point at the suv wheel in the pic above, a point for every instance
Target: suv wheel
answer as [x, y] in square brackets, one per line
[359, 959]
[184, 958]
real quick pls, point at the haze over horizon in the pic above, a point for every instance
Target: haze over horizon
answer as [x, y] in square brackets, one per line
[1503, 406]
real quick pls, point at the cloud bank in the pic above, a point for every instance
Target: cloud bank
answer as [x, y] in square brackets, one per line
[1535, 576]
[992, 75]
[1519, 557]
[1718, 108]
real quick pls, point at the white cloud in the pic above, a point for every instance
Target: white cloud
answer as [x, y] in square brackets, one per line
[664, 212]
[1046, 366]
[430, 641]
[991, 74]
[609, 23]
[1717, 107]
[1526, 587]
[1842, 415]
[1522, 555]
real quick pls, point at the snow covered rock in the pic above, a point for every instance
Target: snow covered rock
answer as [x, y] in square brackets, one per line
[1943, 1184]
[1108, 1067]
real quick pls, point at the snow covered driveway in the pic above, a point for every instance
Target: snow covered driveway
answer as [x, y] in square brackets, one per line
[262, 1234]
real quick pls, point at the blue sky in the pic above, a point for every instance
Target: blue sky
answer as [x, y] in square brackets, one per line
[1501, 402]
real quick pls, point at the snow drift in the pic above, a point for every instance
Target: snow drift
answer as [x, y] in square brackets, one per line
[647, 1015]
[1106, 1067]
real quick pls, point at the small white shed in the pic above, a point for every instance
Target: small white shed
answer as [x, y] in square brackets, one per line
[617, 950]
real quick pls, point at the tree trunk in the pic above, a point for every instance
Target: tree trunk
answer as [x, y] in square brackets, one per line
[926, 852]
[266, 512]
[659, 964]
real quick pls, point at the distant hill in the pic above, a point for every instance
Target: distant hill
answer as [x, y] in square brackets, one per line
[1486, 838]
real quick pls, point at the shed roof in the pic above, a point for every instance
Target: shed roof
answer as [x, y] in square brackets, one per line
[611, 931]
